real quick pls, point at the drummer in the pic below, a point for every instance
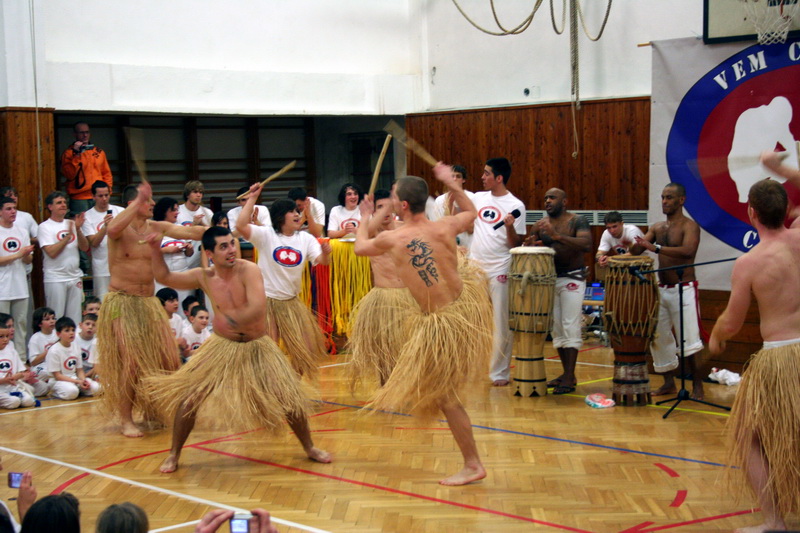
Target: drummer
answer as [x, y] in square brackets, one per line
[675, 241]
[569, 236]
[618, 237]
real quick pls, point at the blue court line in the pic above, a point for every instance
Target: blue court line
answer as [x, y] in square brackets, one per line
[558, 439]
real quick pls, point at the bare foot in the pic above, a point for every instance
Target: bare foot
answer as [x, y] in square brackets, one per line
[169, 465]
[697, 391]
[500, 383]
[320, 456]
[129, 429]
[761, 528]
[467, 475]
[663, 390]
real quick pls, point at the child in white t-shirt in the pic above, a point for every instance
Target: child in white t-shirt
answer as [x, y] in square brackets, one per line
[87, 343]
[44, 336]
[64, 363]
[13, 391]
[169, 299]
[196, 332]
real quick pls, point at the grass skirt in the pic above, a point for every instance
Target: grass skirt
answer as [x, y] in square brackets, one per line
[246, 384]
[300, 334]
[377, 333]
[444, 350]
[767, 405]
[135, 340]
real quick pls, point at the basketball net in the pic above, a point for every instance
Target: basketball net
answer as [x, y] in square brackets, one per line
[771, 18]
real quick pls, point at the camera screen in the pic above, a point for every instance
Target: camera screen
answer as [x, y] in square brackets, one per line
[240, 525]
[15, 479]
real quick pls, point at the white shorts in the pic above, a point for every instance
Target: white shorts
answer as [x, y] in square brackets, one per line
[567, 319]
[664, 347]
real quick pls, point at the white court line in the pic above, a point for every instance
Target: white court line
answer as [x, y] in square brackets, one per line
[154, 488]
[333, 365]
[66, 404]
[176, 526]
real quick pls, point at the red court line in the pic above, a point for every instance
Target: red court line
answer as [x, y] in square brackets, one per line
[393, 491]
[637, 528]
[700, 520]
[680, 497]
[667, 469]
[445, 429]
[328, 412]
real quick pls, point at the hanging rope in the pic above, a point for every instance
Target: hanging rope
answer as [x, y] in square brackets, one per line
[39, 162]
[563, 17]
[602, 26]
[515, 31]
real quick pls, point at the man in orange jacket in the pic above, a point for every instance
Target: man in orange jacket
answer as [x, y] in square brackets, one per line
[82, 164]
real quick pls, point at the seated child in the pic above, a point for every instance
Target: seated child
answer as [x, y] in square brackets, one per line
[169, 299]
[13, 391]
[64, 363]
[44, 336]
[189, 303]
[88, 344]
[91, 305]
[197, 331]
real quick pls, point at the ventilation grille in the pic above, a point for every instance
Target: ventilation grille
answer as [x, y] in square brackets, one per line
[595, 218]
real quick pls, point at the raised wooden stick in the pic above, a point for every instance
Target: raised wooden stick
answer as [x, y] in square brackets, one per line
[135, 139]
[400, 135]
[278, 174]
[377, 172]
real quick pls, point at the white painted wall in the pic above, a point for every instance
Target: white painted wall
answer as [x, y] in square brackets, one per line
[318, 57]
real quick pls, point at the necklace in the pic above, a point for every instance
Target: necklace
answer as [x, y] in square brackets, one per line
[144, 228]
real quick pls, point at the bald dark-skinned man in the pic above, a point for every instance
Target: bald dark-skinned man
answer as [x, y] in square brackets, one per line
[569, 236]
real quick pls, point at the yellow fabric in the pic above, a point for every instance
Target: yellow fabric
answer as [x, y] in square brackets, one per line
[351, 280]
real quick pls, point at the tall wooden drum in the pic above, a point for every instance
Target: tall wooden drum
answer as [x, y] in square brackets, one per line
[531, 288]
[631, 314]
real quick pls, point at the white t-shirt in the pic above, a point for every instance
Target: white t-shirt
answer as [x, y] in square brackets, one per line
[14, 525]
[489, 246]
[282, 258]
[317, 211]
[40, 343]
[176, 262]
[194, 340]
[10, 364]
[92, 225]
[341, 216]
[464, 238]
[64, 359]
[66, 266]
[186, 218]
[13, 280]
[88, 350]
[25, 221]
[262, 216]
[623, 244]
[176, 324]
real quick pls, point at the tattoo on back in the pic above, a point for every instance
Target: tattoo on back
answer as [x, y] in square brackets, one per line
[421, 260]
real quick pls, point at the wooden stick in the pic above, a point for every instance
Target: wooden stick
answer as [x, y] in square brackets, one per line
[135, 139]
[377, 172]
[278, 174]
[738, 162]
[400, 135]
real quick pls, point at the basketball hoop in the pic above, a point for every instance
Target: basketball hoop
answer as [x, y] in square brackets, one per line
[771, 18]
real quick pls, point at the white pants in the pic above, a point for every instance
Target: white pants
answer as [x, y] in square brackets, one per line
[664, 348]
[65, 390]
[65, 298]
[501, 350]
[19, 398]
[567, 319]
[100, 286]
[18, 309]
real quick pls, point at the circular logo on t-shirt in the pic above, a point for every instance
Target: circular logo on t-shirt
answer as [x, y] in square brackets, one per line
[287, 256]
[195, 345]
[12, 245]
[63, 233]
[5, 365]
[747, 104]
[502, 278]
[84, 355]
[187, 223]
[172, 243]
[71, 363]
[347, 221]
[572, 286]
[99, 225]
[490, 214]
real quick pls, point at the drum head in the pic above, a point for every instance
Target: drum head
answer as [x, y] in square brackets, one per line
[533, 250]
[628, 260]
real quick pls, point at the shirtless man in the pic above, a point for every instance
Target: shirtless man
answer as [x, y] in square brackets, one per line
[133, 317]
[764, 436]
[385, 307]
[453, 322]
[235, 287]
[675, 241]
[569, 236]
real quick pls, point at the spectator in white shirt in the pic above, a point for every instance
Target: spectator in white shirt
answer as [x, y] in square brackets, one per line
[15, 253]
[260, 213]
[313, 211]
[618, 237]
[192, 213]
[94, 227]
[345, 217]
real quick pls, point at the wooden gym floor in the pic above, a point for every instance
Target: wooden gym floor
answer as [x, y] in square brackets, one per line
[554, 464]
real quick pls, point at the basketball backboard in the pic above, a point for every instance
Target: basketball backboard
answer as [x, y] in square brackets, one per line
[726, 21]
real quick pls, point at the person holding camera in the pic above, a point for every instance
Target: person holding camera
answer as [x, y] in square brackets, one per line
[25, 499]
[82, 164]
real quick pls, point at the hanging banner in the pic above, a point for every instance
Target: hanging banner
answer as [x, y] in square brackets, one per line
[715, 108]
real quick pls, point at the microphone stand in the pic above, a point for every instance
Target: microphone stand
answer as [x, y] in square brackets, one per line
[683, 393]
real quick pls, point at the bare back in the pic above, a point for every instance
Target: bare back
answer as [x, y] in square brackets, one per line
[771, 271]
[425, 260]
[230, 291]
[384, 273]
